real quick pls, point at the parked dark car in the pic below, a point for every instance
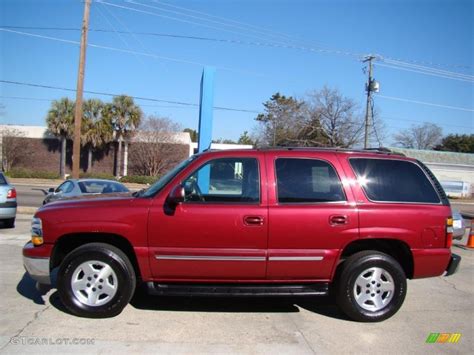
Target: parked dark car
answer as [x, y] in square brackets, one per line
[7, 202]
[74, 188]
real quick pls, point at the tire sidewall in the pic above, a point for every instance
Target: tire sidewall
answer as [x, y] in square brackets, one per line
[347, 282]
[125, 283]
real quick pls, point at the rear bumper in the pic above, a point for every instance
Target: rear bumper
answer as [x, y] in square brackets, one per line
[430, 262]
[453, 265]
[7, 210]
[36, 267]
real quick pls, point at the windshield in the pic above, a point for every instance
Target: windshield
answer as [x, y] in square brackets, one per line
[165, 179]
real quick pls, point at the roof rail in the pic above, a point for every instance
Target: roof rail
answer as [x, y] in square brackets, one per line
[380, 150]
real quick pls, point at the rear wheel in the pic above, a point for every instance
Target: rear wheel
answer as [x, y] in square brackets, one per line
[96, 280]
[371, 286]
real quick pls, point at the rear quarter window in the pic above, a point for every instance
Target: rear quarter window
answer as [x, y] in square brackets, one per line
[387, 180]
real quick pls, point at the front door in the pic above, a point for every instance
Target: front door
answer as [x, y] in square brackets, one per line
[220, 230]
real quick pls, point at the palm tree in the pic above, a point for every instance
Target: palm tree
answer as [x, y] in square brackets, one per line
[60, 122]
[125, 117]
[96, 128]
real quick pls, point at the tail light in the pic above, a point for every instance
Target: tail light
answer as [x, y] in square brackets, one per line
[11, 193]
[449, 232]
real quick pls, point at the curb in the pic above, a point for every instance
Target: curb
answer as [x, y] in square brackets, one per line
[26, 210]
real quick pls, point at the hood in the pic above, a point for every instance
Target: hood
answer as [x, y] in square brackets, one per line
[93, 200]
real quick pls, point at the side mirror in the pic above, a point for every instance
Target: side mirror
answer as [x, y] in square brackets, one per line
[51, 190]
[176, 196]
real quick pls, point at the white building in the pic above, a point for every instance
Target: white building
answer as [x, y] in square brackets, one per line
[455, 171]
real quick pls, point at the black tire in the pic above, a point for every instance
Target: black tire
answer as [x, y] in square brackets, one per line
[346, 289]
[123, 280]
[10, 223]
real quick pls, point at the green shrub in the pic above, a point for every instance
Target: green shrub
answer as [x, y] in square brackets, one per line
[32, 174]
[139, 179]
[97, 176]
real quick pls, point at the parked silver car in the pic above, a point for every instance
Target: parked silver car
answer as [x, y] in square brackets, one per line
[8, 202]
[459, 225]
[83, 187]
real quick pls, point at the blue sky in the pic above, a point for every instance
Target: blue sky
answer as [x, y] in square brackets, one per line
[432, 33]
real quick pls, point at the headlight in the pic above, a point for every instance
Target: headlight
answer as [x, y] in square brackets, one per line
[36, 231]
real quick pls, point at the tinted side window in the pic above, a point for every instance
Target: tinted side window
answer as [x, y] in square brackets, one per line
[3, 181]
[306, 181]
[68, 187]
[224, 180]
[394, 181]
[62, 187]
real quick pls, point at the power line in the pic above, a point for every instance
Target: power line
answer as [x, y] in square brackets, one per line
[422, 121]
[395, 64]
[154, 56]
[428, 69]
[170, 35]
[422, 72]
[25, 98]
[281, 43]
[196, 107]
[222, 108]
[292, 38]
[170, 17]
[268, 32]
[118, 34]
[246, 27]
[260, 29]
[50, 100]
[425, 103]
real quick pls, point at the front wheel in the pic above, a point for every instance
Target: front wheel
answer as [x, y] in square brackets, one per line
[96, 280]
[371, 287]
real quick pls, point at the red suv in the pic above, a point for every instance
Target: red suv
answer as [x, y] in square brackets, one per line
[355, 224]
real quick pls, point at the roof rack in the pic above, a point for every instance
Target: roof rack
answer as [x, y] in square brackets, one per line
[380, 150]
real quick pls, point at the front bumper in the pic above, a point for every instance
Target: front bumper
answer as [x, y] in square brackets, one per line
[36, 267]
[453, 264]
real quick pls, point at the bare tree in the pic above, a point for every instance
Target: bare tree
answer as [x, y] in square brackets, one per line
[156, 147]
[424, 136]
[337, 115]
[288, 122]
[13, 148]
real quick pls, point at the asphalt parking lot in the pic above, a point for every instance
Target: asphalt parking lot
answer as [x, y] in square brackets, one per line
[34, 322]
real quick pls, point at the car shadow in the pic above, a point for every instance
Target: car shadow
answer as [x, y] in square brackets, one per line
[3, 225]
[324, 306]
[55, 301]
[27, 288]
[321, 305]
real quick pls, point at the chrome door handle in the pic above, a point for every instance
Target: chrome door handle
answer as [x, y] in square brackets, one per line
[338, 220]
[253, 220]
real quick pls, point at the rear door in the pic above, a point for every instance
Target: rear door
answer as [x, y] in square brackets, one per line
[312, 215]
[220, 231]
[398, 200]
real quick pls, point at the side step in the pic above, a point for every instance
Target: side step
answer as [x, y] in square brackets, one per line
[176, 289]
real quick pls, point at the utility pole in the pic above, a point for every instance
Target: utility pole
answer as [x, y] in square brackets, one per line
[369, 88]
[76, 148]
